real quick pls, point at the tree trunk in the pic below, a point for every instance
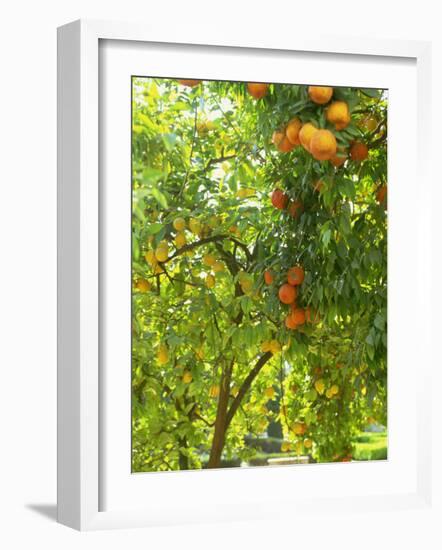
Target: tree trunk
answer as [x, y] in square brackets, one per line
[183, 460]
[220, 422]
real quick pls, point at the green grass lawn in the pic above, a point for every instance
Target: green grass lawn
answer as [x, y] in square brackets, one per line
[370, 446]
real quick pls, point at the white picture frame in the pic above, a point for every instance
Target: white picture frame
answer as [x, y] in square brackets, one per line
[79, 294]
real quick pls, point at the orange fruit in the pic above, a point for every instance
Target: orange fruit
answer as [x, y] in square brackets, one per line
[295, 209]
[268, 277]
[338, 114]
[358, 151]
[298, 316]
[305, 134]
[279, 199]
[190, 83]
[381, 194]
[285, 146]
[142, 285]
[287, 293]
[295, 275]
[214, 391]
[187, 377]
[281, 142]
[292, 131]
[290, 322]
[299, 428]
[339, 158]
[277, 137]
[323, 145]
[257, 89]
[320, 94]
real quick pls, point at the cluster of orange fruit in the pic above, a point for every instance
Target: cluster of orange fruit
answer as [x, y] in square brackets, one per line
[321, 143]
[287, 294]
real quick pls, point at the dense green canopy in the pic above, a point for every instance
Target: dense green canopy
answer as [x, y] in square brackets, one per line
[213, 360]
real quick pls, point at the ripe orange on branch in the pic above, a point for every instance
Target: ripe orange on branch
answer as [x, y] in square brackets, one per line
[189, 82]
[295, 275]
[268, 277]
[279, 199]
[358, 151]
[381, 194]
[339, 158]
[323, 145]
[281, 142]
[292, 130]
[338, 114]
[298, 316]
[306, 134]
[295, 209]
[287, 293]
[257, 89]
[290, 322]
[320, 94]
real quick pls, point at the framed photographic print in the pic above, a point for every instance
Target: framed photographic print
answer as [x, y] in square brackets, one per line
[229, 260]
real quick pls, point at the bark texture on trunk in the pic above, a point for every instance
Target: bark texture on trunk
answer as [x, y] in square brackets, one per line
[220, 422]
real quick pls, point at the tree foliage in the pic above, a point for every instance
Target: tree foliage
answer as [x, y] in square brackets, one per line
[213, 360]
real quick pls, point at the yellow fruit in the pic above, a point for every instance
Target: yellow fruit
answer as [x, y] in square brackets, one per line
[161, 253]
[285, 446]
[308, 443]
[320, 386]
[298, 428]
[370, 123]
[269, 393]
[306, 134]
[180, 239]
[209, 259]
[150, 257]
[320, 94]
[187, 377]
[323, 145]
[210, 281]
[334, 390]
[194, 226]
[338, 114]
[246, 285]
[266, 346]
[299, 447]
[218, 266]
[214, 391]
[245, 192]
[364, 390]
[292, 131]
[275, 346]
[329, 394]
[142, 285]
[179, 224]
[163, 355]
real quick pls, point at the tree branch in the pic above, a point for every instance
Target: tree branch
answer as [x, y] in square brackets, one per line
[245, 386]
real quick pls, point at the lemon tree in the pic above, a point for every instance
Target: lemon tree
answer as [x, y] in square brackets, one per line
[259, 267]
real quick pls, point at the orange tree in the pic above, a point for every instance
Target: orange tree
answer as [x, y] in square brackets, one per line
[259, 268]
